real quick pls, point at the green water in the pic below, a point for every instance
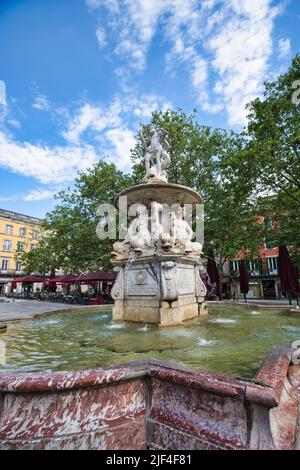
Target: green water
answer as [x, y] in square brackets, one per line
[231, 339]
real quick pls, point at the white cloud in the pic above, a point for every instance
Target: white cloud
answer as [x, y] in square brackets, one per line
[14, 122]
[101, 36]
[224, 44]
[39, 194]
[41, 103]
[91, 132]
[95, 118]
[147, 104]
[241, 48]
[284, 48]
[122, 141]
[2, 93]
[45, 164]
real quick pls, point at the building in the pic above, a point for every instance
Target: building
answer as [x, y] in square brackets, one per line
[264, 282]
[18, 233]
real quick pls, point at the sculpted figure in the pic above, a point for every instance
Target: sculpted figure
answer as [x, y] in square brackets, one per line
[156, 227]
[182, 234]
[138, 236]
[157, 157]
[165, 155]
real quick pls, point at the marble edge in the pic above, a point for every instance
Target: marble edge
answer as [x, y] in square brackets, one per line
[264, 388]
[267, 385]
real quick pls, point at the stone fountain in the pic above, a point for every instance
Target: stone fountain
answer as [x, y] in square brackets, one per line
[158, 264]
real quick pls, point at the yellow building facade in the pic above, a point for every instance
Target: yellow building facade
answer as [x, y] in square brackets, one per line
[18, 233]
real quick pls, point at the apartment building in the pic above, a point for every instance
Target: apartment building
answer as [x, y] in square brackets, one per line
[18, 233]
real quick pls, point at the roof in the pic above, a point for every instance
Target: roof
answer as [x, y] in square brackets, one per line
[21, 217]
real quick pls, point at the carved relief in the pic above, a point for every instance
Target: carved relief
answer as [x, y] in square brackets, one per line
[200, 289]
[141, 277]
[168, 277]
[117, 291]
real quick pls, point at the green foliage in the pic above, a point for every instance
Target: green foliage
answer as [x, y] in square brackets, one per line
[274, 157]
[200, 157]
[240, 176]
[70, 241]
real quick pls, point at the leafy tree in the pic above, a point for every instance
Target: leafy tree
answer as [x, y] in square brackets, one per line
[200, 156]
[274, 129]
[271, 160]
[70, 241]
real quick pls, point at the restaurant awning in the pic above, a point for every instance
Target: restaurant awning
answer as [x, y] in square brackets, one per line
[69, 279]
[30, 279]
[97, 276]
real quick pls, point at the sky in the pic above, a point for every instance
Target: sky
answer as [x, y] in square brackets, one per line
[77, 77]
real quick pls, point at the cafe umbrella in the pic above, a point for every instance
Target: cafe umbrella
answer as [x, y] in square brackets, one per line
[286, 272]
[244, 279]
[213, 273]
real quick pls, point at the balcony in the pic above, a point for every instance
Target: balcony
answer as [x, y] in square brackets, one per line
[10, 272]
[256, 274]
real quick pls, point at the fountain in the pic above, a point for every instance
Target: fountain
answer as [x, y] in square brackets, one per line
[158, 264]
[50, 398]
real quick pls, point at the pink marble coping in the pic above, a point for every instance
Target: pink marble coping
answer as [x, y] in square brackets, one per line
[170, 406]
[268, 380]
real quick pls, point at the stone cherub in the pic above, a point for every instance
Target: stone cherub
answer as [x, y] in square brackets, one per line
[138, 236]
[157, 157]
[182, 234]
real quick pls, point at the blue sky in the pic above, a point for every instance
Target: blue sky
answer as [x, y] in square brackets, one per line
[77, 77]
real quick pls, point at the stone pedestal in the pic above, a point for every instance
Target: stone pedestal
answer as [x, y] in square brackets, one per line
[164, 290]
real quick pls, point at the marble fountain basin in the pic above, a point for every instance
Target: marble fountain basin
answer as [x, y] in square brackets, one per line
[62, 385]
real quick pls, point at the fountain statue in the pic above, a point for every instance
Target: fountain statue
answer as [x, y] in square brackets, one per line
[158, 264]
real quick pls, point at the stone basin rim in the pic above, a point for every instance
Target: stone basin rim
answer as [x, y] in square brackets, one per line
[265, 388]
[191, 195]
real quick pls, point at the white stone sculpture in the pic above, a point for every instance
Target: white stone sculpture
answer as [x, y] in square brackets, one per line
[157, 157]
[138, 236]
[182, 234]
[156, 227]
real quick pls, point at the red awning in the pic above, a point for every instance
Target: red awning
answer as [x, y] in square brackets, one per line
[69, 279]
[97, 276]
[30, 279]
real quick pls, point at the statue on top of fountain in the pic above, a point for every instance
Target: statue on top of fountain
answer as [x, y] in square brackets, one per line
[157, 157]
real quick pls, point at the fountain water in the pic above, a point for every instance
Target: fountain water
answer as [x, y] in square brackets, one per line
[158, 263]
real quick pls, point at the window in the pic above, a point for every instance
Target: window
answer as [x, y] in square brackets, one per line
[4, 264]
[7, 245]
[33, 246]
[22, 232]
[19, 265]
[253, 266]
[236, 265]
[35, 234]
[272, 264]
[269, 245]
[20, 246]
[8, 229]
[268, 222]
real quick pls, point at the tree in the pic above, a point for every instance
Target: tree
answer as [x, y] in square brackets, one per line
[70, 241]
[200, 156]
[274, 129]
[271, 159]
